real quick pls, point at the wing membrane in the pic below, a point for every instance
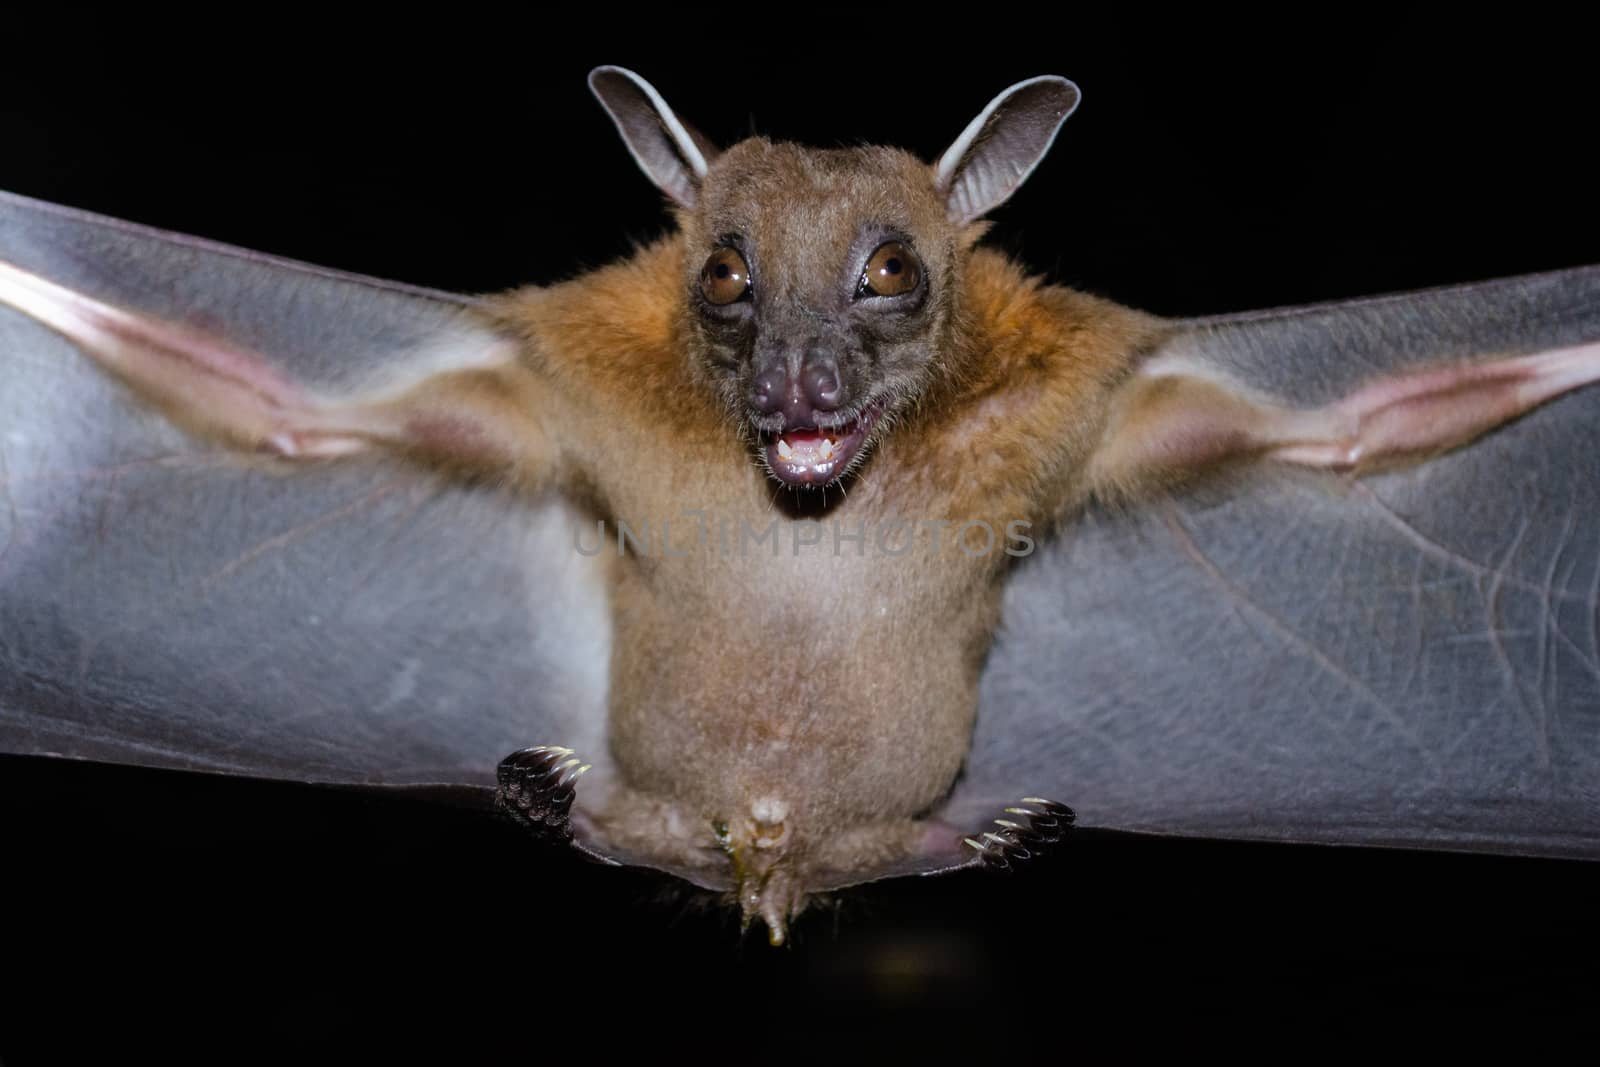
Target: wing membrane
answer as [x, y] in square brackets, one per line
[163, 602]
[1404, 658]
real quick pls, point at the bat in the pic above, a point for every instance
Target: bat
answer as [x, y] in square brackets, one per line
[1476, 299]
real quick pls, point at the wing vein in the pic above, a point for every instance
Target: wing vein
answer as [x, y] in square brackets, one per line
[1306, 647]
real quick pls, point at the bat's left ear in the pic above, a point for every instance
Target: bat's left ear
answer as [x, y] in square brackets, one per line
[999, 149]
[674, 154]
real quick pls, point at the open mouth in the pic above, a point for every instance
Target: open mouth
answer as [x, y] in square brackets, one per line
[811, 456]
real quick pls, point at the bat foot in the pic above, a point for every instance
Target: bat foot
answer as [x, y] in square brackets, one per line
[1025, 831]
[536, 790]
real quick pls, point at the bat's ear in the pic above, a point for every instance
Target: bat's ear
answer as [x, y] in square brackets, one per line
[674, 154]
[999, 149]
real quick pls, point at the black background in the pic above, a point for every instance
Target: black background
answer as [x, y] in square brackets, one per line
[1212, 167]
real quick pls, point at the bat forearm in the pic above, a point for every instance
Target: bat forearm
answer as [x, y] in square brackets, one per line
[1430, 411]
[479, 420]
[200, 381]
[1175, 420]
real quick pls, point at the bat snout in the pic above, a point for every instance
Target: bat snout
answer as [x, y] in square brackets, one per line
[800, 395]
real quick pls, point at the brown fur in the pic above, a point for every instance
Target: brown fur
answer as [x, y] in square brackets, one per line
[837, 691]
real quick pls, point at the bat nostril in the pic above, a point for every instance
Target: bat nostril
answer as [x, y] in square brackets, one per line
[767, 391]
[822, 386]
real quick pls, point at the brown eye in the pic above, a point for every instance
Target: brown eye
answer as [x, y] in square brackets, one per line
[725, 278]
[892, 270]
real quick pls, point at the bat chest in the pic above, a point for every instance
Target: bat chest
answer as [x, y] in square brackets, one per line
[832, 661]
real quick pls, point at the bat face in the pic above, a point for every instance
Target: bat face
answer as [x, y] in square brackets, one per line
[821, 285]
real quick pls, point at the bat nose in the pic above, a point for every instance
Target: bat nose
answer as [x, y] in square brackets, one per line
[768, 391]
[820, 379]
[816, 388]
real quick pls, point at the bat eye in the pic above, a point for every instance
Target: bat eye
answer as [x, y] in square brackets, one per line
[725, 279]
[893, 270]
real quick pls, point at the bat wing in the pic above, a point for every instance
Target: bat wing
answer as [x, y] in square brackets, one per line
[1410, 658]
[166, 603]
[1402, 658]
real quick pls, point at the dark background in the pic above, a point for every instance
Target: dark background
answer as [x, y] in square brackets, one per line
[1212, 167]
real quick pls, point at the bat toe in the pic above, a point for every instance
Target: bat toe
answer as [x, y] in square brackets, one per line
[536, 790]
[1023, 833]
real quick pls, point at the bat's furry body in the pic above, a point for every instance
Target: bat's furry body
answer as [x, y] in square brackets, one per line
[793, 683]
[827, 669]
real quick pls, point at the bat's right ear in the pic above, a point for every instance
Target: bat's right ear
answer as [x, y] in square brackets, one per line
[999, 149]
[674, 154]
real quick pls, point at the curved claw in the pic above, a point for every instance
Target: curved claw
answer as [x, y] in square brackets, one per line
[1043, 823]
[536, 790]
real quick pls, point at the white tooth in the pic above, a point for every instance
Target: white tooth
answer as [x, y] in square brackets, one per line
[827, 449]
[784, 450]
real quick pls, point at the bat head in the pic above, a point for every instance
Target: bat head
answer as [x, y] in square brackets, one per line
[823, 284]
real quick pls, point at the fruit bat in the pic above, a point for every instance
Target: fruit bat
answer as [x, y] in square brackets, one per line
[1271, 578]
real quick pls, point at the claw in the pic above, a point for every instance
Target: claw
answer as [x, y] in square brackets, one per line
[536, 790]
[1043, 822]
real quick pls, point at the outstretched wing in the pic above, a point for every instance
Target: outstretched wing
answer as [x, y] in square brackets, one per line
[165, 602]
[1409, 657]
[1402, 658]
